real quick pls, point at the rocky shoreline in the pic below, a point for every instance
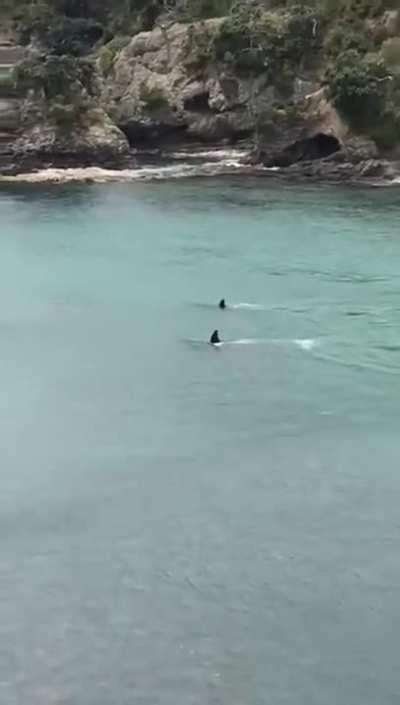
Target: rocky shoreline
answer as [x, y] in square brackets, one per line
[164, 93]
[177, 90]
[205, 161]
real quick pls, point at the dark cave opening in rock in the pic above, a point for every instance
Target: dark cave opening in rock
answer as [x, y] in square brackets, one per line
[310, 149]
[150, 133]
[198, 103]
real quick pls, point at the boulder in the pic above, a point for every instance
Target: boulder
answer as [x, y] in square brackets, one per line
[99, 142]
[391, 22]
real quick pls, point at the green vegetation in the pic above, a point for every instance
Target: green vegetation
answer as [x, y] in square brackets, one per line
[109, 52]
[360, 62]
[6, 78]
[202, 44]
[358, 88]
[352, 46]
[193, 10]
[153, 99]
[65, 83]
[63, 73]
[72, 36]
[255, 41]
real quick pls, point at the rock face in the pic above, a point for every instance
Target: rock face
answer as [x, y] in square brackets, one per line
[98, 143]
[386, 26]
[319, 133]
[162, 86]
[30, 138]
[168, 86]
[10, 102]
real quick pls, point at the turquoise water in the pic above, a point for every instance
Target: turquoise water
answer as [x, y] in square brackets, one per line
[187, 525]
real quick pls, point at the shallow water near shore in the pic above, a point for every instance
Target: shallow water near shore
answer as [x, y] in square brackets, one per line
[187, 524]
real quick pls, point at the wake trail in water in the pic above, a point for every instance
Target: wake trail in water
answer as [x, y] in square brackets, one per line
[366, 359]
[242, 306]
[302, 343]
[250, 307]
[306, 344]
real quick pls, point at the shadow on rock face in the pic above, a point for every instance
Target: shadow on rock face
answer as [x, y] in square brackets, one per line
[308, 149]
[153, 131]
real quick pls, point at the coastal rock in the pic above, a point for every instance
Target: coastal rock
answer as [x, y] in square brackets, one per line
[361, 149]
[333, 170]
[164, 87]
[319, 135]
[94, 139]
[386, 26]
[174, 85]
[100, 142]
[391, 21]
[162, 83]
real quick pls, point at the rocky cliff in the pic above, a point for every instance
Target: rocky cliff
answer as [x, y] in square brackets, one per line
[10, 100]
[312, 88]
[166, 86]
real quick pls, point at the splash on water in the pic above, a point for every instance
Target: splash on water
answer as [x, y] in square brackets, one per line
[306, 343]
[248, 306]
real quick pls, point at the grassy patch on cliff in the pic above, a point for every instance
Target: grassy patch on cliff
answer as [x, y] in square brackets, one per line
[109, 52]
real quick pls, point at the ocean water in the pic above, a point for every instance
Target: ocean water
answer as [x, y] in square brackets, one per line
[189, 525]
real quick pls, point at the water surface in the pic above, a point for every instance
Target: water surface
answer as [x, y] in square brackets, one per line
[188, 525]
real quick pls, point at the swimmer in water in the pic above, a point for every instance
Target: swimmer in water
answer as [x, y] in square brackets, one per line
[215, 338]
[222, 304]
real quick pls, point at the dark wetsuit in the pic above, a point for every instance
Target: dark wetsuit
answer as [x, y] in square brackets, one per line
[222, 303]
[215, 338]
